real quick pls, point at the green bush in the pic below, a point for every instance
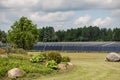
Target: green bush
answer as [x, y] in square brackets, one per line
[52, 64]
[65, 59]
[54, 55]
[44, 54]
[38, 58]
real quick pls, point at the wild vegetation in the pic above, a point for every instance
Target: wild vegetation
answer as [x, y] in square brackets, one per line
[41, 64]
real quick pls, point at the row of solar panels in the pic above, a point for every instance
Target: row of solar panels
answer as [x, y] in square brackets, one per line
[75, 46]
[80, 43]
[79, 46]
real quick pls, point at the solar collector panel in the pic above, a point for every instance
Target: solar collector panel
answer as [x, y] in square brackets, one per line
[79, 46]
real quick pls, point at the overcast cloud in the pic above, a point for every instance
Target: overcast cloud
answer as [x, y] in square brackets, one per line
[61, 14]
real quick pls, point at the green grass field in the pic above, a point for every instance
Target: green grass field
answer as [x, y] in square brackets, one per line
[88, 66]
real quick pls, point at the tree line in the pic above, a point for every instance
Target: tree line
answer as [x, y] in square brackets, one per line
[90, 33]
[24, 34]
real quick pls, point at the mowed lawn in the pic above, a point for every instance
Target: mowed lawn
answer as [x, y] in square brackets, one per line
[88, 66]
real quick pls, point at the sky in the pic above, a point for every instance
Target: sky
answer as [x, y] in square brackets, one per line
[61, 14]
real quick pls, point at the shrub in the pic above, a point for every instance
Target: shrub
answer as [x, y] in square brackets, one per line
[44, 54]
[51, 64]
[38, 58]
[53, 55]
[65, 59]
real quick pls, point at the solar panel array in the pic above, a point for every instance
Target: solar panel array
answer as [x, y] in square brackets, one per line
[78, 46]
[75, 46]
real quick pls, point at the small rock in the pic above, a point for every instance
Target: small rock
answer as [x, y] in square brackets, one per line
[113, 57]
[15, 72]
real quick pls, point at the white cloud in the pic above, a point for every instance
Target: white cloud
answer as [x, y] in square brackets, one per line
[61, 5]
[48, 12]
[66, 5]
[88, 20]
[4, 18]
[83, 20]
[18, 3]
[102, 22]
[116, 13]
[52, 17]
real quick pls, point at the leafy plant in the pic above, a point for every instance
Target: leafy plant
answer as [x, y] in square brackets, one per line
[65, 59]
[38, 58]
[51, 64]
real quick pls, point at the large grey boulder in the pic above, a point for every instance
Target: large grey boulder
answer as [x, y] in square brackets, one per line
[113, 57]
[15, 72]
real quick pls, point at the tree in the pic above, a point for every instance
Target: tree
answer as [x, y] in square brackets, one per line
[60, 35]
[85, 34]
[23, 33]
[3, 36]
[47, 34]
[106, 34]
[116, 34]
